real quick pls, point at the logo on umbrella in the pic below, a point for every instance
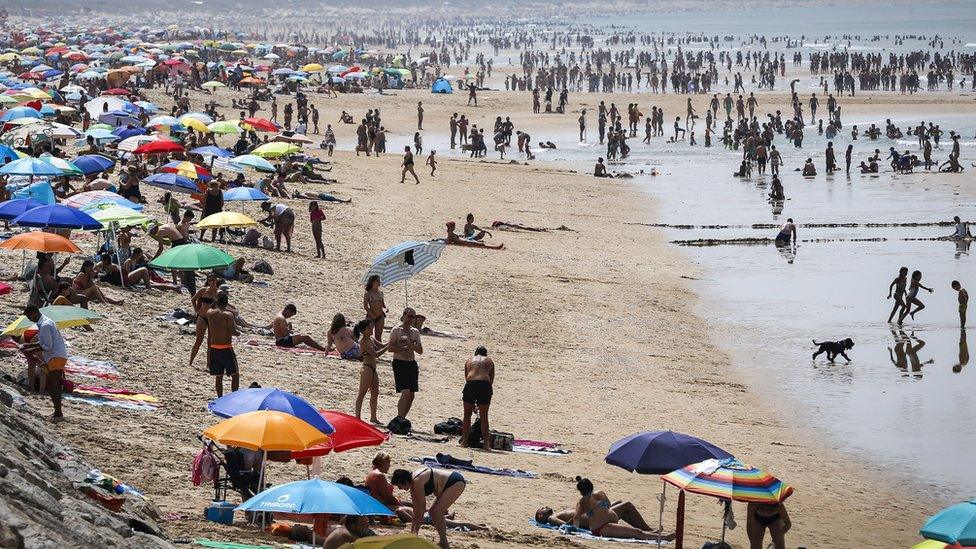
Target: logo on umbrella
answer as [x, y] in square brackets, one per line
[283, 498]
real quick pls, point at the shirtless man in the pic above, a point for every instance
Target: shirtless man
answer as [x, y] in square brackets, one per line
[222, 360]
[405, 345]
[963, 302]
[282, 330]
[353, 528]
[455, 240]
[600, 170]
[479, 376]
[174, 235]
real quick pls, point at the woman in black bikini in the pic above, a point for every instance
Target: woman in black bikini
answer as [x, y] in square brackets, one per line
[369, 380]
[604, 521]
[202, 301]
[764, 517]
[375, 306]
[445, 486]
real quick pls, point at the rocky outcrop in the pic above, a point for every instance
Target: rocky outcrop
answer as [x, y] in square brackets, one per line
[44, 499]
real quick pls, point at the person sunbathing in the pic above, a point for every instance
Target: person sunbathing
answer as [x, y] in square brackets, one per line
[340, 338]
[353, 528]
[604, 521]
[282, 330]
[84, 284]
[133, 269]
[624, 509]
[472, 231]
[508, 226]
[455, 240]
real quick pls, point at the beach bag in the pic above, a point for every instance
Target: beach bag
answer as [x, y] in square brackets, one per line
[474, 435]
[204, 467]
[501, 441]
[263, 267]
[399, 426]
[452, 426]
[252, 237]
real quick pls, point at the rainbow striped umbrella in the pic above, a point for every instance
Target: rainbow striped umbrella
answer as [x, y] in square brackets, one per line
[730, 479]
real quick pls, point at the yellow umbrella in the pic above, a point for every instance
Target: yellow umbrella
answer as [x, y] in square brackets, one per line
[225, 219]
[312, 67]
[64, 316]
[266, 430]
[274, 149]
[399, 541]
[212, 85]
[9, 56]
[194, 124]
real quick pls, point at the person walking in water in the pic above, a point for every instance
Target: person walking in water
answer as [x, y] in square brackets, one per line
[963, 302]
[898, 286]
[912, 297]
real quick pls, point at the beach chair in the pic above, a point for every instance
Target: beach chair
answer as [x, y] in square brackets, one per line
[236, 475]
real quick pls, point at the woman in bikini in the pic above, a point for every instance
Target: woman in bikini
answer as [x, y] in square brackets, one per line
[375, 306]
[340, 338]
[605, 522]
[369, 380]
[764, 517]
[201, 302]
[84, 284]
[912, 297]
[445, 486]
[898, 286]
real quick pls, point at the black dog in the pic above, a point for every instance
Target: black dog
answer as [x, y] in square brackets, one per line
[834, 348]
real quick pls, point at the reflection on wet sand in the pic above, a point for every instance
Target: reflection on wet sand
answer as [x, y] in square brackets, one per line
[904, 354]
[963, 352]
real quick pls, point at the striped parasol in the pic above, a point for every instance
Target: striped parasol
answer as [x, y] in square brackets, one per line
[404, 261]
[730, 479]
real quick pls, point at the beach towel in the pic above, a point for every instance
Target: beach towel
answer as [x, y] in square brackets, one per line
[228, 544]
[538, 447]
[100, 401]
[125, 395]
[86, 367]
[444, 461]
[568, 530]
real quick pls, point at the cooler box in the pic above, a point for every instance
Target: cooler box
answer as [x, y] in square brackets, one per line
[220, 512]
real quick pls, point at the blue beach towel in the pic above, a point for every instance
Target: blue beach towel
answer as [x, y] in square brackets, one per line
[568, 530]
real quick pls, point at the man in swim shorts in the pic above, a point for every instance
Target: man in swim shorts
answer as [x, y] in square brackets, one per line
[479, 376]
[963, 301]
[222, 359]
[405, 344]
[282, 330]
[54, 355]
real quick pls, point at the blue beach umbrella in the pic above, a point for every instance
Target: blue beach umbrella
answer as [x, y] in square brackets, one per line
[172, 182]
[252, 400]
[30, 167]
[56, 216]
[660, 452]
[253, 161]
[244, 193]
[210, 150]
[315, 496]
[7, 154]
[13, 208]
[956, 524]
[123, 132]
[93, 163]
[20, 112]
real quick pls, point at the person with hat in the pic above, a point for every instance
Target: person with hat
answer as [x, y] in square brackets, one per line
[54, 355]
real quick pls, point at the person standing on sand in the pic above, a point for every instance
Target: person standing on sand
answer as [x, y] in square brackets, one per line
[963, 302]
[54, 355]
[316, 217]
[582, 126]
[762, 517]
[221, 358]
[479, 377]
[432, 162]
[370, 349]
[454, 130]
[897, 290]
[405, 345]
[472, 94]
[408, 165]
[420, 115]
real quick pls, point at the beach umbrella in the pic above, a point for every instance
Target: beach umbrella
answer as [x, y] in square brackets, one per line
[730, 479]
[12, 208]
[195, 124]
[68, 168]
[251, 400]
[224, 127]
[163, 120]
[173, 182]
[20, 112]
[83, 200]
[312, 67]
[56, 216]
[224, 220]
[316, 496]
[93, 163]
[119, 215]
[261, 124]
[210, 150]
[40, 241]
[193, 257]
[291, 137]
[244, 193]
[159, 146]
[186, 169]
[64, 316]
[404, 261]
[350, 433]
[213, 85]
[30, 167]
[130, 144]
[399, 541]
[936, 544]
[955, 524]
[266, 430]
[253, 161]
[101, 134]
[275, 149]
[125, 132]
[660, 452]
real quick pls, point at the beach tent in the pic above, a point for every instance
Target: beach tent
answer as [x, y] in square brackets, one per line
[441, 86]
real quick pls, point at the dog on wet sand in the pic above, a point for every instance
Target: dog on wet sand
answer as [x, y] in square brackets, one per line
[834, 348]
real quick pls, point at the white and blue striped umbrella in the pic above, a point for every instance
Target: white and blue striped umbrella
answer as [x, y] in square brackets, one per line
[404, 260]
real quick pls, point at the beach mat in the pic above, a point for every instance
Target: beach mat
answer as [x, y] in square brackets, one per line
[122, 395]
[86, 367]
[517, 473]
[568, 530]
[101, 401]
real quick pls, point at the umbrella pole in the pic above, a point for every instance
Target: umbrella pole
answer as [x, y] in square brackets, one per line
[725, 514]
[406, 301]
[264, 463]
[679, 528]
[660, 517]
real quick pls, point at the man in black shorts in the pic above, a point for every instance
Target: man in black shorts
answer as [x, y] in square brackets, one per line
[479, 376]
[223, 361]
[405, 345]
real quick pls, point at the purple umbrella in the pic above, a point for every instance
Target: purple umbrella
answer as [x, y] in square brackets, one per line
[250, 400]
[660, 452]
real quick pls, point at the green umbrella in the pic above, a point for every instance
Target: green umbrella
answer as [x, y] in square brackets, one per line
[64, 316]
[224, 127]
[192, 257]
[274, 149]
[124, 217]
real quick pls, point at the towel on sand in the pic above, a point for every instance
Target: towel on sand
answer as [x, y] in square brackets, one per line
[568, 530]
[538, 447]
[124, 395]
[86, 367]
[444, 461]
[101, 401]
[228, 544]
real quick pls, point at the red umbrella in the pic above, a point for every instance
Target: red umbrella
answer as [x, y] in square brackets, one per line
[350, 432]
[116, 91]
[159, 147]
[262, 124]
